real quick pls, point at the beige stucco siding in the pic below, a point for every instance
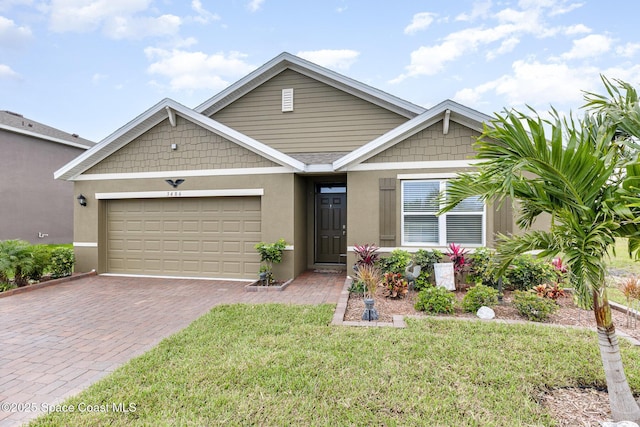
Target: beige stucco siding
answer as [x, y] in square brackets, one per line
[324, 118]
[197, 148]
[431, 144]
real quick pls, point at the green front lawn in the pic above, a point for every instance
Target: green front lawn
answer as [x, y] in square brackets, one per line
[283, 365]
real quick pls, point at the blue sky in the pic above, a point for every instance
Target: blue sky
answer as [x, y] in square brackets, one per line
[91, 66]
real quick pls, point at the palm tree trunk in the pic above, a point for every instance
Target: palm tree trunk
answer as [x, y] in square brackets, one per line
[623, 405]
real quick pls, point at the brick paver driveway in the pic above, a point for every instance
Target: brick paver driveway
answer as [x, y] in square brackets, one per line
[56, 341]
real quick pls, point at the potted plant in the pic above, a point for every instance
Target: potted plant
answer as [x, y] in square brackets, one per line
[270, 254]
[370, 276]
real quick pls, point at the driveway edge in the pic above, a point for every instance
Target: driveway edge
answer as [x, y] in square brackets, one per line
[46, 284]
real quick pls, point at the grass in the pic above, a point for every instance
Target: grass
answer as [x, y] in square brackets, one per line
[284, 365]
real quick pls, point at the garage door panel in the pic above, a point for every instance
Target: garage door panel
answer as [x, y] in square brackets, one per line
[252, 226]
[191, 246]
[191, 226]
[192, 237]
[171, 226]
[171, 246]
[210, 226]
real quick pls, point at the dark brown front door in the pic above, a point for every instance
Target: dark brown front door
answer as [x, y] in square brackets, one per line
[331, 223]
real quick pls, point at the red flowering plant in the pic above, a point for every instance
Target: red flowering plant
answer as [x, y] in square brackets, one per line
[366, 254]
[456, 254]
[560, 269]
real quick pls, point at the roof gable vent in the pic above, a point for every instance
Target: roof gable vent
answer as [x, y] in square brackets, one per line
[287, 100]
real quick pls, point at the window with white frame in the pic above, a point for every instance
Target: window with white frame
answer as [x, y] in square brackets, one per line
[420, 226]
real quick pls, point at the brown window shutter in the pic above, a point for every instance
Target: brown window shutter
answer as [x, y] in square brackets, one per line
[388, 212]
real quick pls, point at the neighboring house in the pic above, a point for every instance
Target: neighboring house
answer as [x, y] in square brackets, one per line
[34, 206]
[292, 150]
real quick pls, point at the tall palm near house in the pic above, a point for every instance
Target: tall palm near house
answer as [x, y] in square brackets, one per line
[585, 175]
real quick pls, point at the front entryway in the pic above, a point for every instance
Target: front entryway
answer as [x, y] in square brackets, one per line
[331, 224]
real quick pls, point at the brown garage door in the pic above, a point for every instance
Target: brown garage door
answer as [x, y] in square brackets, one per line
[187, 237]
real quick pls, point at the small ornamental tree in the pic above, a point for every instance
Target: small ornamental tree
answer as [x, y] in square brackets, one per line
[270, 254]
[585, 175]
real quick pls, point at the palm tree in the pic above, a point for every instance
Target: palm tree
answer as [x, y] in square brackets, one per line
[16, 259]
[585, 175]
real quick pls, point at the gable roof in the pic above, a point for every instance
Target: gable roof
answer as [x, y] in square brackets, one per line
[456, 112]
[286, 61]
[17, 123]
[153, 116]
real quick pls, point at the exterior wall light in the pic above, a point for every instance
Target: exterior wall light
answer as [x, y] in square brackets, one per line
[82, 200]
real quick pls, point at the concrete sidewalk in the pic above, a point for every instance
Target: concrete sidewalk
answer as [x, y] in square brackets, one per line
[56, 341]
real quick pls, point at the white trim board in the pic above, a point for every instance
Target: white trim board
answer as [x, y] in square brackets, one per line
[442, 164]
[185, 173]
[85, 244]
[226, 279]
[44, 137]
[178, 194]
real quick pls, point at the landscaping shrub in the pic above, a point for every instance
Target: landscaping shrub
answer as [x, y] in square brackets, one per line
[482, 265]
[62, 260]
[5, 286]
[533, 307]
[395, 285]
[357, 287]
[41, 258]
[527, 272]
[425, 259]
[548, 291]
[423, 281]
[478, 296]
[435, 300]
[15, 260]
[270, 254]
[396, 262]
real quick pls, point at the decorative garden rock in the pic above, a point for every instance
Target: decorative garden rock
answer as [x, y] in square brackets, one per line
[620, 424]
[370, 313]
[486, 313]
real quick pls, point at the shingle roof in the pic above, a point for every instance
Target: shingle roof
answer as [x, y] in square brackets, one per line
[15, 122]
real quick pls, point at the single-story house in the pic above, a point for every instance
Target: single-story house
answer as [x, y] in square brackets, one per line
[293, 150]
[35, 207]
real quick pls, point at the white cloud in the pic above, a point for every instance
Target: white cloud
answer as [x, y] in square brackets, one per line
[529, 18]
[118, 19]
[628, 50]
[430, 60]
[340, 59]
[505, 47]
[204, 16]
[577, 29]
[421, 21]
[140, 27]
[7, 73]
[197, 70]
[535, 83]
[480, 10]
[562, 9]
[255, 5]
[589, 46]
[8, 4]
[12, 35]
[97, 78]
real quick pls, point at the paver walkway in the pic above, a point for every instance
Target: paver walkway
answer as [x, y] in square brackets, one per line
[56, 341]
